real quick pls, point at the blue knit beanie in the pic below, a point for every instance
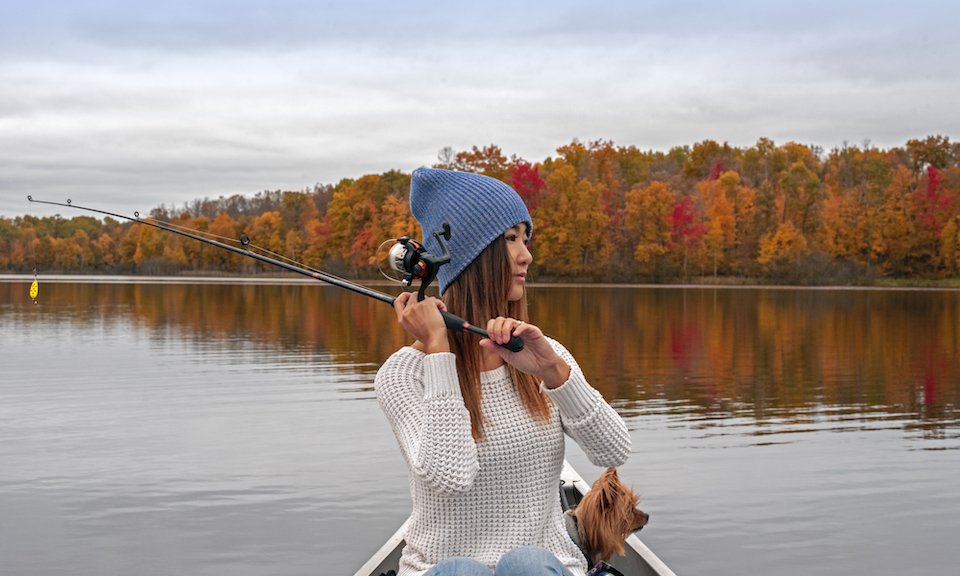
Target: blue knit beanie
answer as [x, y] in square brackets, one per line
[478, 208]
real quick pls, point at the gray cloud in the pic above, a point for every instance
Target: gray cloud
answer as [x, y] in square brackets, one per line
[134, 106]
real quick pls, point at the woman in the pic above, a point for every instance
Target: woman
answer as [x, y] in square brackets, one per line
[481, 428]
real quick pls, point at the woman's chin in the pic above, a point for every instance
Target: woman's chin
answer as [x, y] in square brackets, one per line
[516, 293]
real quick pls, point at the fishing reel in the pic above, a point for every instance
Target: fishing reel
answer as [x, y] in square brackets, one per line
[411, 259]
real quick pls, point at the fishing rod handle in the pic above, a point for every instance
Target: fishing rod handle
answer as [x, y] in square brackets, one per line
[458, 324]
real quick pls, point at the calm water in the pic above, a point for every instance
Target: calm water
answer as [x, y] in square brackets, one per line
[217, 428]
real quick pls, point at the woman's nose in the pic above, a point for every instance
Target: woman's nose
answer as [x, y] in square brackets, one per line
[525, 257]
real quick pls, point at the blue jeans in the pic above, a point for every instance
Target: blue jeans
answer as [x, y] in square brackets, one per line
[526, 561]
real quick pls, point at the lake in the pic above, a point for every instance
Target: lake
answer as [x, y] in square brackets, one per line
[160, 426]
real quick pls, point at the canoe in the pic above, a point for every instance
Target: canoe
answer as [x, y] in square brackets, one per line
[638, 560]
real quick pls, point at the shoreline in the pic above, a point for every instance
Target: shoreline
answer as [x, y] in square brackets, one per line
[275, 280]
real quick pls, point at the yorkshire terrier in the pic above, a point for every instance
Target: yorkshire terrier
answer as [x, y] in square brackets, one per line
[606, 516]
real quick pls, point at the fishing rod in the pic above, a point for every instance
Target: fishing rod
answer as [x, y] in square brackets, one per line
[417, 263]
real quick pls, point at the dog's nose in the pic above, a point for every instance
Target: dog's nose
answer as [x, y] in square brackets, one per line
[646, 519]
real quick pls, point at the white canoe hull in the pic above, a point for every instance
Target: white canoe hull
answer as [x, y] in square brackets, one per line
[638, 560]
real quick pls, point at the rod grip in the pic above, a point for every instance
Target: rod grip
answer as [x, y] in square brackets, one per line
[458, 324]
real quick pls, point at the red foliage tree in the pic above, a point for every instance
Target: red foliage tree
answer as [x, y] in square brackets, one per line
[684, 219]
[716, 170]
[932, 207]
[528, 184]
[687, 229]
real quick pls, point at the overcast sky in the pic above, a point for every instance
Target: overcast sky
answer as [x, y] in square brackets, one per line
[127, 105]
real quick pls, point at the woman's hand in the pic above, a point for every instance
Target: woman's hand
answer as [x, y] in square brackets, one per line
[423, 321]
[537, 357]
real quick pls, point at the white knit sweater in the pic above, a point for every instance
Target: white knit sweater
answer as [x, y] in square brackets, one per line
[483, 499]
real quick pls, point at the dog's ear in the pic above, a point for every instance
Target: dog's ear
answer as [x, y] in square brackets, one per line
[610, 476]
[610, 488]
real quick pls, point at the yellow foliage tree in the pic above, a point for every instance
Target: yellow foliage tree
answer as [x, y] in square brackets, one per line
[720, 237]
[295, 245]
[314, 249]
[950, 246]
[647, 211]
[84, 248]
[265, 231]
[193, 250]
[129, 244]
[173, 252]
[802, 194]
[895, 242]
[398, 219]
[149, 244]
[573, 224]
[846, 226]
[786, 246]
[66, 255]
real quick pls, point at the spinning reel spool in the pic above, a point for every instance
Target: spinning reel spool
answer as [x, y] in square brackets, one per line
[410, 258]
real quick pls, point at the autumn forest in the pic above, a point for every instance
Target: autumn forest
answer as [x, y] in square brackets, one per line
[789, 214]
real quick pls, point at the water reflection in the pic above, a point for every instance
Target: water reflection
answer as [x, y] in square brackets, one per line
[354, 331]
[235, 424]
[783, 358]
[774, 355]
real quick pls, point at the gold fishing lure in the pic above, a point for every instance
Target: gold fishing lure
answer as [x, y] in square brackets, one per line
[34, 288]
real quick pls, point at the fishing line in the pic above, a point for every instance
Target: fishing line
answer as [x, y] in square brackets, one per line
[35, 287]
[193, 230]
[430, 263]
[234, 240]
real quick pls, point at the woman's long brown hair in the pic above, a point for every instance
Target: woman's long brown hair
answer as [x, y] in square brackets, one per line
[480, 292]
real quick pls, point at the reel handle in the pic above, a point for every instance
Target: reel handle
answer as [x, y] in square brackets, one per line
[458, 324]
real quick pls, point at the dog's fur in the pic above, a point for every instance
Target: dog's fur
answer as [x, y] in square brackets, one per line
[606, 516]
